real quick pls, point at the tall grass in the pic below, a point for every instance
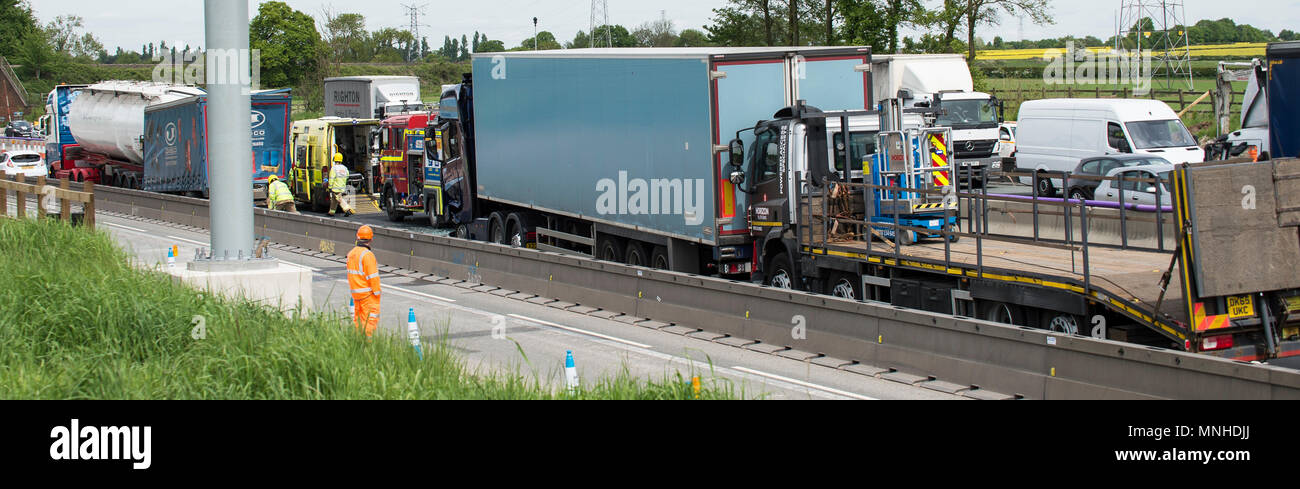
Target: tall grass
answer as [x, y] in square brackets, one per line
[77, 321]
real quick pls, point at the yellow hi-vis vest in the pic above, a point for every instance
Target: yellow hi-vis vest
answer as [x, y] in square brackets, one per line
[339, 178]
[279, 193]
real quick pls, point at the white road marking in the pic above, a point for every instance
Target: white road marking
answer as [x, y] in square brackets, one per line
[129, 228]
[190, 241]
[581, 331]
[805, 384]
[420, 294]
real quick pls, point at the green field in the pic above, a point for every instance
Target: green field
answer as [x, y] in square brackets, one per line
[78, 321]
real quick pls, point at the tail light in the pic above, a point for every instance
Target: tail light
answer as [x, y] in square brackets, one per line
[1221, 342]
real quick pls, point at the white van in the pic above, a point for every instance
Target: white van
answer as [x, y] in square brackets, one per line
[1055, 134]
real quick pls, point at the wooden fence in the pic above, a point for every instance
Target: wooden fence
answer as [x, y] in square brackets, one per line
[42, 191]
[1179, 100]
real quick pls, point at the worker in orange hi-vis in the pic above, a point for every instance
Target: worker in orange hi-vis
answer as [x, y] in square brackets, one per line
[363, 280]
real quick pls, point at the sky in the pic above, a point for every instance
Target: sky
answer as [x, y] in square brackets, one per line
[133, 23]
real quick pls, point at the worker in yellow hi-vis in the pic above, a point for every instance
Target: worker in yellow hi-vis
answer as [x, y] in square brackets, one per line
[363, 280]
[338, 183]
[278, 196]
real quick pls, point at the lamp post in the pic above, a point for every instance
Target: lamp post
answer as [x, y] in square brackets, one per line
[534, 33]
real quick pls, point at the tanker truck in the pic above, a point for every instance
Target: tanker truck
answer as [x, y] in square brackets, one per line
[153, 136]
[106, 122]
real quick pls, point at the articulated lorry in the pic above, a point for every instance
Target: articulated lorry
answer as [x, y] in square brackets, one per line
[153, 136]
[176, 143]
[1284, 99]
[372, 97]
[943, 81]
[621, 153]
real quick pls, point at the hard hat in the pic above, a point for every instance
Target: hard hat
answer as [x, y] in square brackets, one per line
[272, 178]
[365, 233]
[338, 157]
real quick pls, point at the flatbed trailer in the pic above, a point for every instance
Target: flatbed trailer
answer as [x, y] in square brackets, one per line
[1084, 288]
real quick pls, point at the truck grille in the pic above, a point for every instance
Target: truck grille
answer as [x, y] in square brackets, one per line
[974, 149]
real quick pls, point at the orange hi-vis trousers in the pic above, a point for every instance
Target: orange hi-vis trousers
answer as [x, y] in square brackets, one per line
[366, 314]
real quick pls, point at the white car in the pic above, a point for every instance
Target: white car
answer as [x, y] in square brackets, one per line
[1137, 192]
[1006, 140]
[27, 163]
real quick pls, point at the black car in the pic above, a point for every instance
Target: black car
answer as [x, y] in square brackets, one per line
[20, 129]
[1099, 166]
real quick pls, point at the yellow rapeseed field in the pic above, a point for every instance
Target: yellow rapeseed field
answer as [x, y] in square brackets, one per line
[1243, 49]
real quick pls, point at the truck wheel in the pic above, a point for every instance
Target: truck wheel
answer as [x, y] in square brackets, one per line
[635, 254]
[462, 232]
[609, 248]
[435, 220]
[1001, 312]
[780, 272]
[844, 285]
[517, 226]
[659, 258]
[390, 207]
[496, 228]
[1060, 322]
[953, 228]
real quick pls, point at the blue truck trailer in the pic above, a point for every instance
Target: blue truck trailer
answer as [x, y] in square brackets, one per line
[621, 153]
[1284, 99]
[175, 143]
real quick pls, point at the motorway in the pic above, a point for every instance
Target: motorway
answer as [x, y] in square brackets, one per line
[537, 336]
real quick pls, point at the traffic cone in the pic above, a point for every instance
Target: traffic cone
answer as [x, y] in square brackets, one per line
[413, 330]
[695, 386]
[171, 258]
[570, 372]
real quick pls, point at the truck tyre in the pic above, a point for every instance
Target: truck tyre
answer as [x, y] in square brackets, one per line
[497, 228]
[844, 285]
[780, 273]
[1060, 322]
[1002, 312]
[659, 258]
[518, 225]
[635, 254]
[953, 228]
[905, 238]
[390, 207]
[435, 220]
[462, 232]
[609, 248]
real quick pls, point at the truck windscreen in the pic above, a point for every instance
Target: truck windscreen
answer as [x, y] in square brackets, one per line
[959, 113]
[1160, 134]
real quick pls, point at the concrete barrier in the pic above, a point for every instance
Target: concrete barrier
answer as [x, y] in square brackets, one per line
[1026, 362]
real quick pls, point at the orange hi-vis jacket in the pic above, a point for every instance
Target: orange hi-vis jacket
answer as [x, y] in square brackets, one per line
[363, 274]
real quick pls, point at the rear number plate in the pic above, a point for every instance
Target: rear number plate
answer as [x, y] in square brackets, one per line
[1242, 306]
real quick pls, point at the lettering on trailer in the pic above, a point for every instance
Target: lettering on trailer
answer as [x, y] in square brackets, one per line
[659, 196]
[75, 442]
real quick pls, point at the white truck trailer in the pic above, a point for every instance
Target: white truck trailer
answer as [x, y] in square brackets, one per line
[372, 97]
[943, 81]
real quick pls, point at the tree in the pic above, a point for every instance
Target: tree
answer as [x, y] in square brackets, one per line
[985, 12]
[737, 26]
[545, 40]
[1287, 35]
[37, 56]
[16, 23]
[488, 46]
[289, 43]
[346, 35]
[693, 38]
[659, 33]
[464, 48]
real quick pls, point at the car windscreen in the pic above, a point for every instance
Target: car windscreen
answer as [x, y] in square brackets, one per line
[25, 158]
[1160, 134]
[22, 124]
[967, 112]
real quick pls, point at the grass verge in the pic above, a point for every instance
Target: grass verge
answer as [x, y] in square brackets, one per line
[77, 321]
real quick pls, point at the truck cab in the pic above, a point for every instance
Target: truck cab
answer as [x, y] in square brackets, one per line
[975, 118]
[315, 142]
[401, 146]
